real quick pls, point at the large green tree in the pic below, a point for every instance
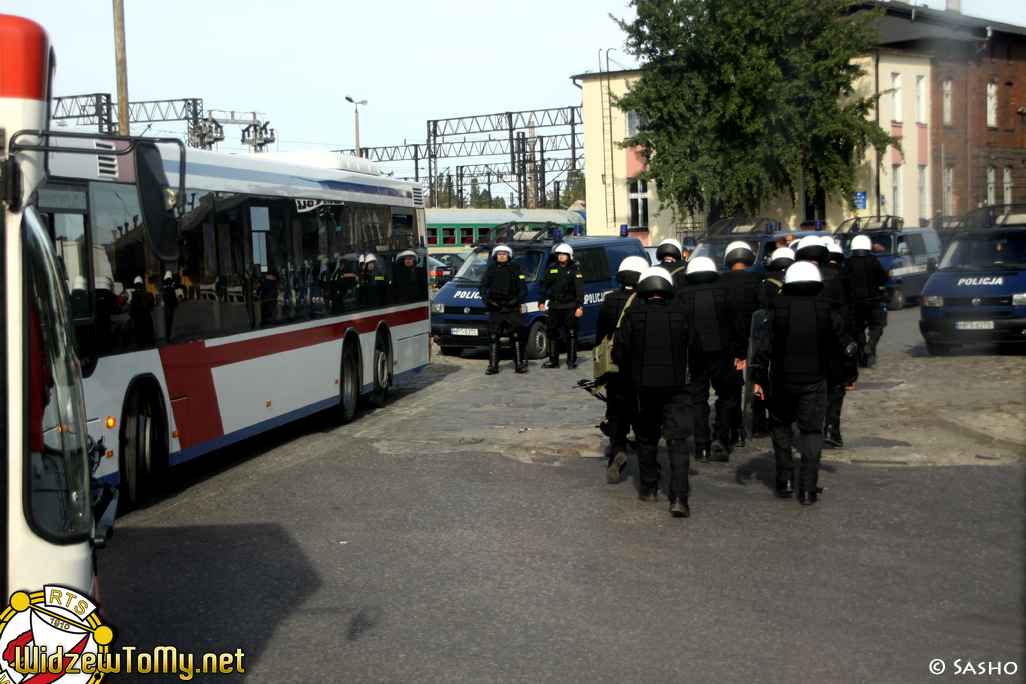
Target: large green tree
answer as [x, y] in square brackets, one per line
[739, 97]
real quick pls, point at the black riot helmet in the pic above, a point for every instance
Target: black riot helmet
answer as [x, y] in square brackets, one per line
[803, 279]
[701, 270]
[738, 252]
[669, 248]
[656, 281]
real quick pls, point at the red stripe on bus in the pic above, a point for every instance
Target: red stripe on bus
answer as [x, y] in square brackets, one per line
[24, 56]
[188, 367]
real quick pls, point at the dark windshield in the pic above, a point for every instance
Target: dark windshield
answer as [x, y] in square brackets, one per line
[473, 269]
[883, 245]
[986, 251]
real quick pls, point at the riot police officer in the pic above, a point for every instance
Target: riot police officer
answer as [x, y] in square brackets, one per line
[718, 323]
[620, 400]
[503, 289]
[837, 284]
[656, 346]
[409, 282]
[142, 303]
[781, 258]
[803, 334]
[670, 254]
[868, 276]
[170, 302]
[563, 286]
[746, 288]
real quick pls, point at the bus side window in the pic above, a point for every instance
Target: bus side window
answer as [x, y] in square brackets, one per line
[373, 224]
[231, 286]
[198, 313]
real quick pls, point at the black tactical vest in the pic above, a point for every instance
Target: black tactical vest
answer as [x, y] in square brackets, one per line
[772, 285]
[803, 339]
[708, 306]
[744, 288]
[864, 274]
[500, 283]
[659, 346]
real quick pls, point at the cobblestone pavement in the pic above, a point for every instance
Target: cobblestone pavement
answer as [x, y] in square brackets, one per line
[901, 412]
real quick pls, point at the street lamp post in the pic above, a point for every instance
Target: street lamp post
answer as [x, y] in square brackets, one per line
[356, 110]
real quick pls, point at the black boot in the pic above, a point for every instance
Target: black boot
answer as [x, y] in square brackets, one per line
[760, 428]
[519, 365]
[649, 493]
[832, 436]
[701, 453]
[493, 355]
[553, 361]
[784, 489]
[721, 448]
[679, 507]
[571, 351]
[616, 465]
[806, 498]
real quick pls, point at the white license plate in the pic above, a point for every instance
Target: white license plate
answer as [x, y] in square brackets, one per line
[974, 325]
[472, 332]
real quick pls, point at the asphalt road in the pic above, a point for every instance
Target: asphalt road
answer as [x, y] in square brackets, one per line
[328, 555]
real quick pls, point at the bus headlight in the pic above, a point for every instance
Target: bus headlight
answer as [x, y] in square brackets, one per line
[437, 307]
[933, 300]
[1019, 300]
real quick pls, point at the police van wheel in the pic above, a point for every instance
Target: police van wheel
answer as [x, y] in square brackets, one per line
[898, 300]
[537, 341]
[936, 349]
[451, 351]
[143, 446]
[348, 385]
[382, 372]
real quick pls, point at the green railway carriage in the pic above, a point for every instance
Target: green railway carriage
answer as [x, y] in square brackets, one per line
[451, 230]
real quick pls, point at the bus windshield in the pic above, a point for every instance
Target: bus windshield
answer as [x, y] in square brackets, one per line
[473, 269]
[717, 249]
[986, 251]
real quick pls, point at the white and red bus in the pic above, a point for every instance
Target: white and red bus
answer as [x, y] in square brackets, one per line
[284, 285]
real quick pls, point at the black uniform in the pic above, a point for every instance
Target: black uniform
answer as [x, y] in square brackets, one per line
[107, 306]
[655, 347]
[170, 302]
[868, 276]
[621, 404]
[503, 289]
[746, 289]
[409, 284]
[718, 323]
[676, 270]
[837, 287]
[563, 286]
[802, 336]
[373, 288]
[142, 321]
[772, 286]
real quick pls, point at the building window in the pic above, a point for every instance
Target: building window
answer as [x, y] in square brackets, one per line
[992, 104]
[896, 97]
[990, 185]
[924, 210]
[637, 194]
[895, 190]
[949, 191]
[635, 123]
[1008, 185]
[920, 102]
[947, 101]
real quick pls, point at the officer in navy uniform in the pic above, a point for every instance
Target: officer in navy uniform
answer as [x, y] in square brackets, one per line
[746, 288]
[670, 254]
[503, 289]
[868, 276]
[621, 403]
[563, 286]
[656, 346]
[718, 322]
[803, 335]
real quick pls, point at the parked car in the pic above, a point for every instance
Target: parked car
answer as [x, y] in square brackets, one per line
[439, 273]
[452, 259]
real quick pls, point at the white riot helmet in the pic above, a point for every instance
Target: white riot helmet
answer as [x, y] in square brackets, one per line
[803, 279]
[103, 283]
[405, 253]
[836, 253]
[563, 248]
[368, 258]
[738, 252]
[656, 281]
[630, 270]
[701, 270]
[669, 248]
[811, 248]
[80, 284]
[827, 240]
[138, 282]
[501, 248]
[781, 259]
[861, 245]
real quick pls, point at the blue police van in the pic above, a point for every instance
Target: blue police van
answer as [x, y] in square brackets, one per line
[909, 254]
[759, 233]
[459, 319]
[978, 292]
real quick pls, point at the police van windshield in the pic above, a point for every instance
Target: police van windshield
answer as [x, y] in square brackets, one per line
[473, 269]
[717, 249]
[986, 251]
[883, 245]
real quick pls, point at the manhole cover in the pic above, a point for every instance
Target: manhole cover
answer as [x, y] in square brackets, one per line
[875, 385]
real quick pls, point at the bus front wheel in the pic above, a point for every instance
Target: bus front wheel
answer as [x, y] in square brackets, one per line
[382, 372]
[143, 446]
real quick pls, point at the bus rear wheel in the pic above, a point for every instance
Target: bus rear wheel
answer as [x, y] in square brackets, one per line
[349, 385]
[143, 446]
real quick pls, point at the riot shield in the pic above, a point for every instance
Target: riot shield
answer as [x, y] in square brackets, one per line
[758, 325]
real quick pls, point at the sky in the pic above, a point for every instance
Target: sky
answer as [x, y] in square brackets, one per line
[294, 62]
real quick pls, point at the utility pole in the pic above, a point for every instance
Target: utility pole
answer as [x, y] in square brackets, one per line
[121, 63]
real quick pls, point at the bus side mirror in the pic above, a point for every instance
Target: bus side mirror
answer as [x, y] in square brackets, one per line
[156, 201]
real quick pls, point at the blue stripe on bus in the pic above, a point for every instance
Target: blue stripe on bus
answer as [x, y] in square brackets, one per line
[226, 172]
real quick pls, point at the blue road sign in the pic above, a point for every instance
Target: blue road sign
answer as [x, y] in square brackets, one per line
[860, 199]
